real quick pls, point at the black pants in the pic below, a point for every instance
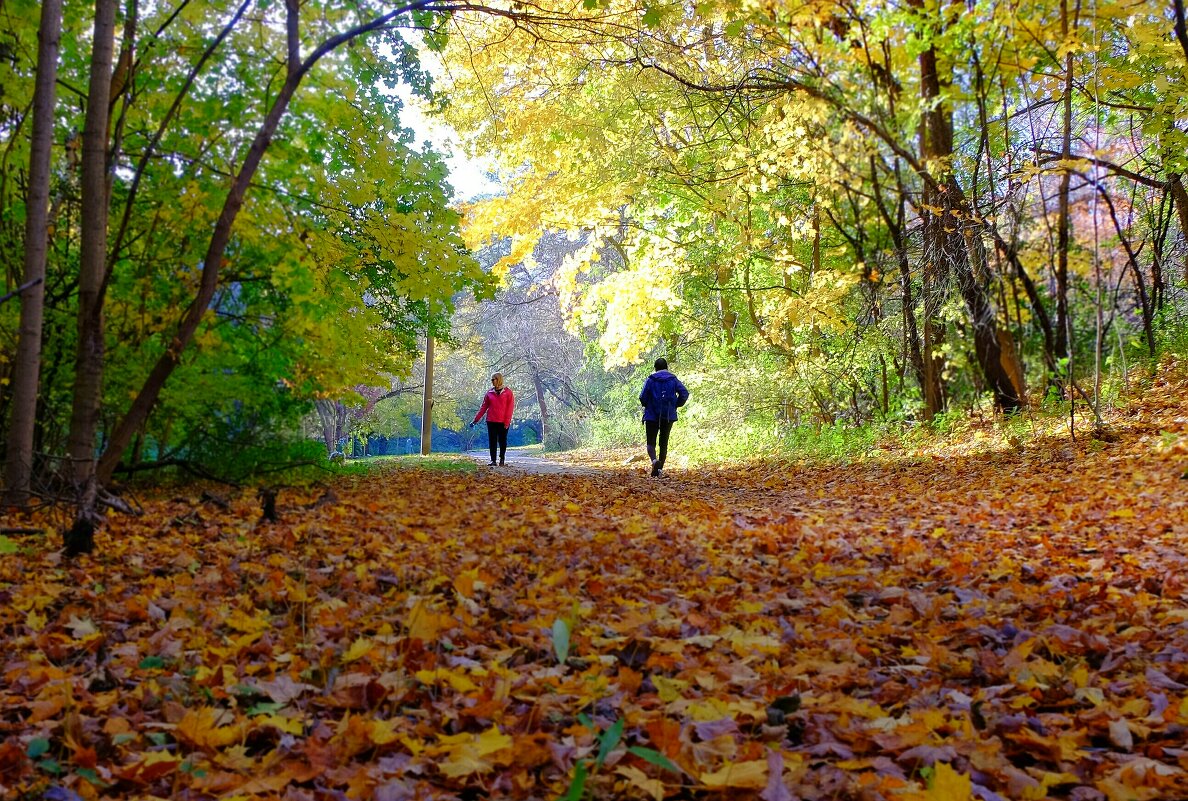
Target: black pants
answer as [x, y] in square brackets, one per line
[497, 436]
[661, 427]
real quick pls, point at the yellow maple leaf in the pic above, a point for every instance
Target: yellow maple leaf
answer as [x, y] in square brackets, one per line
[463, 762]
[641, 780]
[425, 623]
[382, 732]
[288, 725]
[35, 620]
[456, 679]
[201, 728]
[464, 582]
[469, 753]
[248, 624]
[493, 741]
[718, 708]
[749, 775]
[949, 785]
[359, 649]
[668, 689]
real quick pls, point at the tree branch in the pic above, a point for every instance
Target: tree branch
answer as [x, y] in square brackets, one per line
[20, 289]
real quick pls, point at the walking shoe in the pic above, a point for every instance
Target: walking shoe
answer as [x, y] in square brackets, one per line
[655, 468]
[502, 463]
[492, 464]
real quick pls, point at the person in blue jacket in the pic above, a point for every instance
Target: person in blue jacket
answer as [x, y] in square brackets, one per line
[662, 394]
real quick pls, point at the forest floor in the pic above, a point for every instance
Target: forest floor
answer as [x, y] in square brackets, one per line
[990, 620]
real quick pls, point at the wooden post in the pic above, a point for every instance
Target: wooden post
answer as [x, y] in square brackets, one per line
[427, 406]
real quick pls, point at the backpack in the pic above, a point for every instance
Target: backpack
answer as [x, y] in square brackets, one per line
[663, 393]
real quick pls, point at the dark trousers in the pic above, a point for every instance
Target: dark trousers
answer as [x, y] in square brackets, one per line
[497, 437]
[661, 427]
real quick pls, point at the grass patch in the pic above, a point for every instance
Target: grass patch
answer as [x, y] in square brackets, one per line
[448, 463]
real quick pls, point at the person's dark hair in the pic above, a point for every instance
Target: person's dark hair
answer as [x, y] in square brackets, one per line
[661, 363]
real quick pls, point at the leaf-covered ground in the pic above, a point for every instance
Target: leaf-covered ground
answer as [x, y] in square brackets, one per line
[994, 622]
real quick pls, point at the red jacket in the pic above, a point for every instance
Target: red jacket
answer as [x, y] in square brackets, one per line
[498, 406]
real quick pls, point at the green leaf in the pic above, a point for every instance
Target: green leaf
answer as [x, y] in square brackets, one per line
[50, 766]
[561, 640]
[264, 708]
[651, 17]
[7, 545]
[151, 663]
[37, 747]
[610, 738]
[577, 784]
[654, 757]
[93, 777]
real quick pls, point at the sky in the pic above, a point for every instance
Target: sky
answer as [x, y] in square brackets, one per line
[468, 176]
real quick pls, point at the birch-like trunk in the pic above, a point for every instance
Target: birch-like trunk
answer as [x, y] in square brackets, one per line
[18, 470]
[88, 361]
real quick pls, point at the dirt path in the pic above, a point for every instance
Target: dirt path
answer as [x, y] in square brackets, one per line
[536, 465]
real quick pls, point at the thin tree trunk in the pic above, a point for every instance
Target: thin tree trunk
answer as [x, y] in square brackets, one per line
[1145, 306]
[427, 404]
[1063, 330]
[544, 408]
[18, 471]
[88, 363]
[896, 226]
[1180, 27]
[727, 317]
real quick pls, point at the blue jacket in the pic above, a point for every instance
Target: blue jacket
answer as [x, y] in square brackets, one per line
[662, 393]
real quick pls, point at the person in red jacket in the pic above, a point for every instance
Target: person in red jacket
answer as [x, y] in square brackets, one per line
[498, 405]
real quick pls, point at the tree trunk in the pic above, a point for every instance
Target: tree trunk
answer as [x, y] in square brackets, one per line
[911, 333]
[88, 375]
[936, 142]
[545, 427]
[1180, 196]
[427, 405]
[1180, 27]
[18, 471]
[727, 317]
[326, 416]
[945, 214]
[1063, 224]
[340, 422]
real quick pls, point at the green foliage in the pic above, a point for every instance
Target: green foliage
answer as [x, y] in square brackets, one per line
[835, 442]
[346, 250]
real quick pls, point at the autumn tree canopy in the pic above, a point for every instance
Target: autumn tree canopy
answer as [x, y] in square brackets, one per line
[846, 213]
[895, 207]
